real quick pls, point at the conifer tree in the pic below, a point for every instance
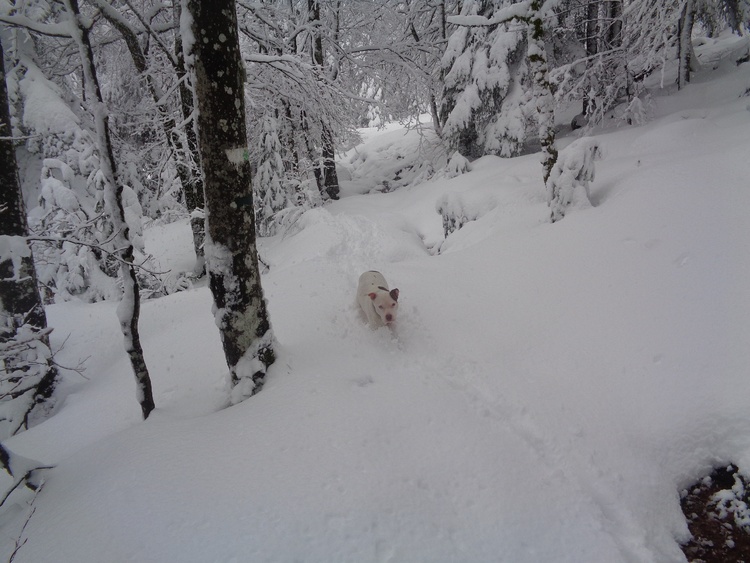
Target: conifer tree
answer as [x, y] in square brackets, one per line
[486, 77]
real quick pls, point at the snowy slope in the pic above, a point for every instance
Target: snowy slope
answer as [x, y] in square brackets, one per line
[549, 389]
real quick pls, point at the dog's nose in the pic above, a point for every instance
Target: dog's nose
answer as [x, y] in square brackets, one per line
[389, 317]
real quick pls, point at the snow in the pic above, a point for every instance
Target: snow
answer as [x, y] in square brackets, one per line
[548, 391]
[730, 501]
[15, 249]
[44, 111]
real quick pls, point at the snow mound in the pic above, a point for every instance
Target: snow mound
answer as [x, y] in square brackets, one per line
[355, 239]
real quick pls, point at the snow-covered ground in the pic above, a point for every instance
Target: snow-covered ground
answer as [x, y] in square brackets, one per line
[547, 393]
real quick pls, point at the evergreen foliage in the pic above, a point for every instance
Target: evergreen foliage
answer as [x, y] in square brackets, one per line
[485, 96]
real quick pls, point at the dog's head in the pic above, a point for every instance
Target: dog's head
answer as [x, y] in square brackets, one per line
[386, 304]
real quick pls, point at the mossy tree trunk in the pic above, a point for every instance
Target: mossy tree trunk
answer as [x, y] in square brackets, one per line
[231, 253]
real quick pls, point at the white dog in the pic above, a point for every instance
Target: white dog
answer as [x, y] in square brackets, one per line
[378, 302]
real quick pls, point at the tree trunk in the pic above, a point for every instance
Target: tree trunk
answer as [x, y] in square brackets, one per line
[685, 44]
[129, 309]
[328, 180]
[542, 88]
[330, 176]
[25, 381]
[592, 45]
[439, 111]
[194, 196]
[614, 24]
[231, 254]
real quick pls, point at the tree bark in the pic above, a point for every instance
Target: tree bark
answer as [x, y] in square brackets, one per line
[331, 188]
[614, 24]
[592, 45]
[194, 195]
[231, 254]
[685, 44]
[328, 181]
[543, 94]
[129, 309]
[20, 303]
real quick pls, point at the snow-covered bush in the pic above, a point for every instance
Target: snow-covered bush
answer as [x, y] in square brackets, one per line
[73, 250]
[637, 112]
[69, 205]
[67, 213]
[27, 374]
[450, 206]
[306, 197]
[457, 165]
[51, 127]
[568, 184]
[26, 363]
[160, 197]
[457, 209]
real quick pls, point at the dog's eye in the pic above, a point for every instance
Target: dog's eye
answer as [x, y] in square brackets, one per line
[381, 307]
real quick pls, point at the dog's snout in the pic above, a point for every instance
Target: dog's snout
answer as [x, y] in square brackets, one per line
[389, 317]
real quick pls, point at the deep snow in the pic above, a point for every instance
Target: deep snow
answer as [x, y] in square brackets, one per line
[549, 389]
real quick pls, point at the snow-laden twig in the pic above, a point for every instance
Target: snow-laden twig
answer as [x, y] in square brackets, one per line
[114, 254]
[18, 543]
[24, 471]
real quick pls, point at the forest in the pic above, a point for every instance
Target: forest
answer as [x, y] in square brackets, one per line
[322, 138]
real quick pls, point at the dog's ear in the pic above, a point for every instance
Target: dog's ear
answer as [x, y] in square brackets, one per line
[394, 294]
[372, 295]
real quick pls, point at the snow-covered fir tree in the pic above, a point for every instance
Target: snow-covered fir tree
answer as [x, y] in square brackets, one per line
[485, 95]
[271, 191]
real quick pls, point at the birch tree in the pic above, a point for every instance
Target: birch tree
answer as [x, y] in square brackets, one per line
[231, 254]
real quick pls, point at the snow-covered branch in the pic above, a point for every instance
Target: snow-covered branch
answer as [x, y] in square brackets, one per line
[116, 253]
[518, 11]
[124, 25]
[49, 29]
